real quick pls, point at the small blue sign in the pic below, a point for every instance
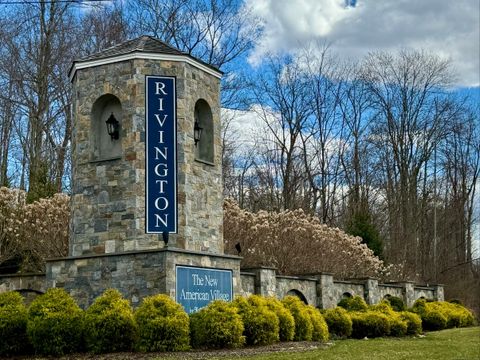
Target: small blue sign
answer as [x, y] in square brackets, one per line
[196, 287]
[161, 155]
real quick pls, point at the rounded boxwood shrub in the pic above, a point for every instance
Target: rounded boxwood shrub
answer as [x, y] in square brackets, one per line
[303, 322]
[369, 324]
[163, 325]
[396, 303]
[109, 324]
[339, 322]
[456, 315]
[261, 325]
[320, 328]
[414, 322]
[285, 318]
[55, 323]
[433, 320]
[217, 326]
[13, 324]
[355, 303]
[398, 326]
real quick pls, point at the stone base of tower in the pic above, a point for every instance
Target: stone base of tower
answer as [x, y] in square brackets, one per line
[137, 274]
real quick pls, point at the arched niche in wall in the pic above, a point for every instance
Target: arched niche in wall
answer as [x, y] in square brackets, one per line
[104, 147]
[204, 148]
[299, 294]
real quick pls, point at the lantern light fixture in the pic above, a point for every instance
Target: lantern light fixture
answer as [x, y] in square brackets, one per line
[197, 132]
[113, 127]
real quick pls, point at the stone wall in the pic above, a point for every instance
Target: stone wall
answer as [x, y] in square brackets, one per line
[153, 271]
[323, 291]
[135, 274]
[108, 194]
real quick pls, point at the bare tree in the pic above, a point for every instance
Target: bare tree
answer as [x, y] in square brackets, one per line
[412, 111]
[216, 31]
[282, 90]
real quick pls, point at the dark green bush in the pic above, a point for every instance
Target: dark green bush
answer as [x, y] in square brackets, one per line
[109, 324]
[339, 322]
[13, 324]
[369, 324]
[55, 323]
[320, 328]
[163, 325]
[261, 325]
[303, 322]
[414, 322]
[355, 303]
[217, 326]
[285, 318]
[433, 320]
[396, 303]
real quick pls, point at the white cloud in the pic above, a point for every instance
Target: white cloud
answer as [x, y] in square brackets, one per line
[448, 28]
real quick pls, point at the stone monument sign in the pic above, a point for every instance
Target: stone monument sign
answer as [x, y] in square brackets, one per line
[146, 172]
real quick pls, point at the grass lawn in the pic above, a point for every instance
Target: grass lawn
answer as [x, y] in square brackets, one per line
[447, 344]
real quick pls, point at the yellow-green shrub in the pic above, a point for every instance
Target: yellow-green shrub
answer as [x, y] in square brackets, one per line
[261, 325]
[398, 326]
[320, 328]
[355, 303]
[285, 318]
[369, 324]
[303, 322]
[109, 324]
[163, 325]
[437, 315]
[54, 324]
[414, 322]
[13, 324]
[217, 326]
[339, 322]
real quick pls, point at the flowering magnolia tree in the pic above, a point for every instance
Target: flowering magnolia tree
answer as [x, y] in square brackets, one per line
[31, 233]
[296, 243]
[291, 241]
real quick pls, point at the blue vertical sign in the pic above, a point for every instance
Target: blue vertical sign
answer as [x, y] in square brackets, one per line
[196, 286]
[161, 155]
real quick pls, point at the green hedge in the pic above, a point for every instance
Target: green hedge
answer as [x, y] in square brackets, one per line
[55, 323]
[355, 303]
[339, 322]
[369, 324]
[398, 326]
[217, 326]
[261, 325]
[438, 315]
[320, 328]
[109, 324]
[163, 325]
[13, 324]
[285, 318]
[414, 322]
[303, 322]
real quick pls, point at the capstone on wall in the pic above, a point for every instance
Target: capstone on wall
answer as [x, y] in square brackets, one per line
[108, 195]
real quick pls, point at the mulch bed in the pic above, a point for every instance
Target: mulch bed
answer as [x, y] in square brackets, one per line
[197, 354]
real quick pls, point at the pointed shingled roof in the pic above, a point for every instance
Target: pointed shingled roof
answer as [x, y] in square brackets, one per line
[144, 44]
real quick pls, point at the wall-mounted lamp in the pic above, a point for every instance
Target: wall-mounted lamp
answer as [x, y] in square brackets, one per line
[197, 132]
[113, 127]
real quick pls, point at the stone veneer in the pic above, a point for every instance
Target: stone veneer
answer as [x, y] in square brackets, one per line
[135, 274]
[142, 273]
[108, 195]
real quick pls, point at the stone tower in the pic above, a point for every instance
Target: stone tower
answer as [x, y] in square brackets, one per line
[146, 170]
